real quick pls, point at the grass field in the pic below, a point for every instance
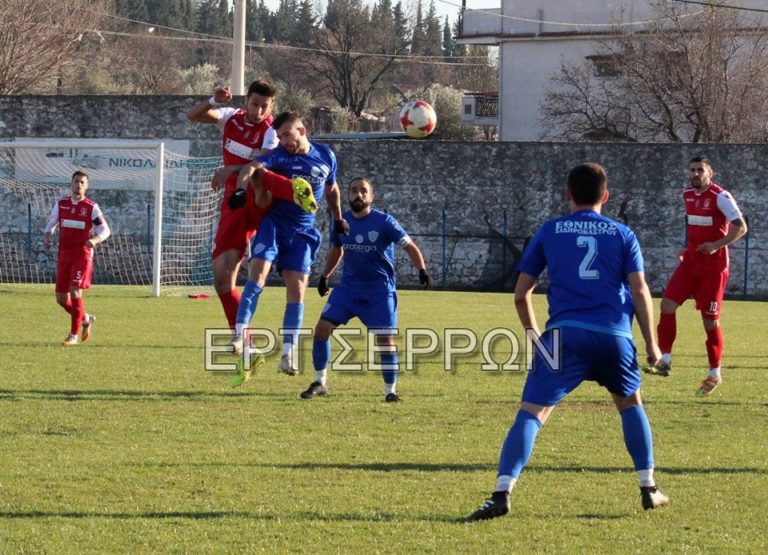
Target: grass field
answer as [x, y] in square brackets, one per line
[125, 443]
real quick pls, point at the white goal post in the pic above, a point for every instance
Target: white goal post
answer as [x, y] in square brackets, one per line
[156, 199]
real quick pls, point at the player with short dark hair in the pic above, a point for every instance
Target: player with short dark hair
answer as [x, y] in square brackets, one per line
[81, 227]
[713, 221]
[596, 285]
[287, 236]
[246, 133]
[367, 289]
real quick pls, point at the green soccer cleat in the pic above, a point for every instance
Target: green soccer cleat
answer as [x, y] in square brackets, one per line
[303, 195]
[244, 375]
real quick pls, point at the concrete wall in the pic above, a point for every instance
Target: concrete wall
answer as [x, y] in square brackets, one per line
[453, 196]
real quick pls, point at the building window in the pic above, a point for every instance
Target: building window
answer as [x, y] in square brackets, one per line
[605, 65]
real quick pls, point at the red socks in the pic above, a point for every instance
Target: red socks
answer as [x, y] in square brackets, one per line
[280, 187]
[667, 330]
[78, 312]
[715, 346]
[229, 302]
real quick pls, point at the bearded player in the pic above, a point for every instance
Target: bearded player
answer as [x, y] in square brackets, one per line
[246, 134]
[713, 221]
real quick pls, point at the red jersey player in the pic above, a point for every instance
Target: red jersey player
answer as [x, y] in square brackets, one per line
[82, 227]
[246, 133]
[713, 221]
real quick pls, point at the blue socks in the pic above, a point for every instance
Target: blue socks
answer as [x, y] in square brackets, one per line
[389, 367]
[637, 437]
[249, 300]
[292, 319]
[518, 445]
[321, 353]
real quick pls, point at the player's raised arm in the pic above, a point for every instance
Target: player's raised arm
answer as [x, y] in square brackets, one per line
[205, 111]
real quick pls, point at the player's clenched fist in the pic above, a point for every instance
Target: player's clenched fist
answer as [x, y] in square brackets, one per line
[322, 286]
[222, 95]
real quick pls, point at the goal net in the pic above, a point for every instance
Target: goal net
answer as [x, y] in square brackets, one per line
[156, 199]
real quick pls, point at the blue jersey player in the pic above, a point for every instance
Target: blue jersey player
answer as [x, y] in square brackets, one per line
[287, 236]
[596, 285]
[367, 286]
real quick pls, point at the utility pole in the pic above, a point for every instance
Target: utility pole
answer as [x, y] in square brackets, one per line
[238, 48]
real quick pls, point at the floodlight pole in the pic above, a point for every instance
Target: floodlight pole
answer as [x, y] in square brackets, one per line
[238, 48]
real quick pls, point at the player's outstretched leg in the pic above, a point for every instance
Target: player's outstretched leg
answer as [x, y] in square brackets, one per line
[515, 453]
[249, 300]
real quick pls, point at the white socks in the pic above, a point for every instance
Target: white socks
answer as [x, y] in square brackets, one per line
[646, 478]
[321, 376]
[505, 483]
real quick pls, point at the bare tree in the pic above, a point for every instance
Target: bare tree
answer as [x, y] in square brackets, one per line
[688, 77]
[38, 36]
[357, 49]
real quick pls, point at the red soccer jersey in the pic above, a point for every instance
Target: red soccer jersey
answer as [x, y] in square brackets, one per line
[75, 223]
[240, 139]
[708, 217]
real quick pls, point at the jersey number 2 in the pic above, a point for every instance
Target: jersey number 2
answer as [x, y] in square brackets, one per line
[585, 269]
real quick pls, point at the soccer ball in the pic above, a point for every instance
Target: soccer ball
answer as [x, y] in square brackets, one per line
[418, 119]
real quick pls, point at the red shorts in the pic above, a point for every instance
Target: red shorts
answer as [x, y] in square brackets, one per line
[236, 227]
[74, 269]
[706, 286]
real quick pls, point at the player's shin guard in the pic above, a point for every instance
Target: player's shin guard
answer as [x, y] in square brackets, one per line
[249, 300]
[230, 302]
[518, 444]
[667, 331]
[67, 306]
[77, 314]
[715, 346]
[292, 320]
[637, 437]
[321, 357]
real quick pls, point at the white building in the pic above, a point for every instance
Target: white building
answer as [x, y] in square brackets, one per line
[535, 37]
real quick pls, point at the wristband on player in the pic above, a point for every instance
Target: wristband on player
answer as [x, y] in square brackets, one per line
[212, 101]
[280, 186]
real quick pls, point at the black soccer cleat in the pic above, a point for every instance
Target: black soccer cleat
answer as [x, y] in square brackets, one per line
[392, 398]
[652, 497]
[495, 506]
[315, 389]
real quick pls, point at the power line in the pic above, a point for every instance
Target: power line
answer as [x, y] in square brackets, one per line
[205, 37]
[726, 6]
[570, 23]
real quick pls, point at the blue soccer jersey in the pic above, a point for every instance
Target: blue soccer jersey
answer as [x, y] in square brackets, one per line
[369, 252]
[318, 167]
[588, 258]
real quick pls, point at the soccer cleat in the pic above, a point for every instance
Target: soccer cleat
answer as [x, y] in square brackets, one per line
[661, 369]
[303, 195]
[392, 398]
[652, 497]
[708, 386]
[85, 332]
[236, 344]
[70, 340]
[315, 389]
[244, 375]
[286, 366]
[495, 506]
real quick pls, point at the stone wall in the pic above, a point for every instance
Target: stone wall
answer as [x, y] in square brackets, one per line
[469, 205]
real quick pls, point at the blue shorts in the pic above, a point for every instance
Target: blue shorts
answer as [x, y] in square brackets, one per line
[292, 249]
[376, 312]
[610, 360]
